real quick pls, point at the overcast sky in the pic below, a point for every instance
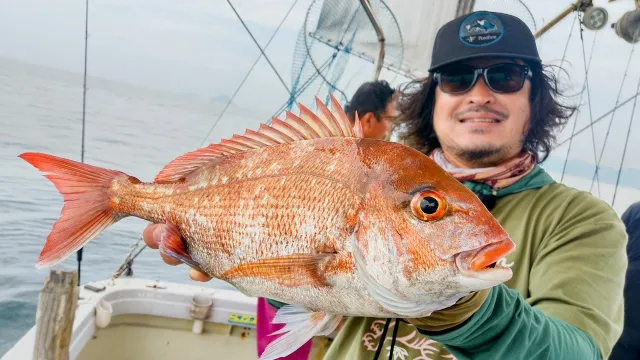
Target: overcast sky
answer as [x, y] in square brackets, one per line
[200, 47]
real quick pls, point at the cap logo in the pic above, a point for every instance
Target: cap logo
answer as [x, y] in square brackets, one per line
[481, 29]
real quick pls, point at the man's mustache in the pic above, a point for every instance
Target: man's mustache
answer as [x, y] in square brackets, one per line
[480, 108]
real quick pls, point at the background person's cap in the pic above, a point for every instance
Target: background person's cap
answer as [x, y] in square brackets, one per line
[483, 33]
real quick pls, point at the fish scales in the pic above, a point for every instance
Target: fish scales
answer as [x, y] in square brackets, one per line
[262, 210]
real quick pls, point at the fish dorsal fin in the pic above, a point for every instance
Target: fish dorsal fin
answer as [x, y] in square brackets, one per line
[308, 125]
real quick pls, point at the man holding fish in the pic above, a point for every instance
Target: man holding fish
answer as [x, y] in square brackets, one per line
[390, 243]
[487, 114]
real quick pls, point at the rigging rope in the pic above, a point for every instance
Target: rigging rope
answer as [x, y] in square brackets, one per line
[615, 191]
[606, 137]
[566, 46]
[586, 79]
[624, 152]
[248, 73]
[259, 47]
[304, 86]
[575, 122]
[596, 121]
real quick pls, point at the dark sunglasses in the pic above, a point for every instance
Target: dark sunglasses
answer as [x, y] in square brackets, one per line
[500, 78]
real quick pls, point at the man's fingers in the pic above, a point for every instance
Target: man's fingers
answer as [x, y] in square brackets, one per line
[170, 260]
[153, 235]
[147, 235]
[198, 276]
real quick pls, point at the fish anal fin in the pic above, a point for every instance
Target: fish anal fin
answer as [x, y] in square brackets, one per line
[300, 326]
[309, 125]
[290, 270]
[171, 245]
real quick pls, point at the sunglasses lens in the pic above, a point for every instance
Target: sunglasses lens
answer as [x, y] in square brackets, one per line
[457, 79]
[506, 77]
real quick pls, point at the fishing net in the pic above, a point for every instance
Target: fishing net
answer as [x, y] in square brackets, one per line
[334, 30]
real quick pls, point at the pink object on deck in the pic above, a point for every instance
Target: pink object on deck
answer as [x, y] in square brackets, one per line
[264, 327]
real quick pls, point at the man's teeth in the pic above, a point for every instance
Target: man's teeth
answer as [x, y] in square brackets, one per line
[480, 120]
[503, 262]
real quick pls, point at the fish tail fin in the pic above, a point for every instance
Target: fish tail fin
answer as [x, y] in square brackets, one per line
[86, 211]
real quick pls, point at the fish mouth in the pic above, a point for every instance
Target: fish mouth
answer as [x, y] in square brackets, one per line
[487, 262]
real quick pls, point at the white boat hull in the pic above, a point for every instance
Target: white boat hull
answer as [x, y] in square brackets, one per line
[151, 320]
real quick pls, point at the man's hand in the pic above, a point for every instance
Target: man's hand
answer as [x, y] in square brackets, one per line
[453, 316]
[152, 236]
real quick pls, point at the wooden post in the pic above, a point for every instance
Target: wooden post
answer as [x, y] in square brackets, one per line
[55, 314]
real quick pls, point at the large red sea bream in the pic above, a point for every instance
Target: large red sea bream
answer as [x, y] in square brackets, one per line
[305, 211]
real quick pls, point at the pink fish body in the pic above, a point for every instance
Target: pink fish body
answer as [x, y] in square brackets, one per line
[305, 211]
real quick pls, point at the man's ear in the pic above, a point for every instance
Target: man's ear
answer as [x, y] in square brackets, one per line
[368, 121]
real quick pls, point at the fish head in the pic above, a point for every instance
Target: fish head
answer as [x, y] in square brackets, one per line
[422, 233]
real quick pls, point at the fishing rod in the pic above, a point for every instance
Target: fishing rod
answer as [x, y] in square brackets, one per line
[84, 111]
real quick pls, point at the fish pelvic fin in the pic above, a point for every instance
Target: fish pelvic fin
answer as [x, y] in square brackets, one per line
[323, 123]
[86, 211]
[171, 245]
[300, 326]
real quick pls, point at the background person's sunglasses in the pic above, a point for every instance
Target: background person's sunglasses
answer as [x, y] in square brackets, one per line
[500, 78]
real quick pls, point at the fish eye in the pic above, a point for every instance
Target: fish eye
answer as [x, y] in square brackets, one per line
[428, 205]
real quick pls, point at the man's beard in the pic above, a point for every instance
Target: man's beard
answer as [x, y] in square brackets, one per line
[483, 157]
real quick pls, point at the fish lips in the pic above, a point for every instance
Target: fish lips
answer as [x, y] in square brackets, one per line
[486, 263]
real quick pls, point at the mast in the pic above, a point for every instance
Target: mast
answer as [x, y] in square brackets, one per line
[465, 7]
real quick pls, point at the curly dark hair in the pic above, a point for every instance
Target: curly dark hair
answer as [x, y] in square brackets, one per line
[548, 114]
[372, 97]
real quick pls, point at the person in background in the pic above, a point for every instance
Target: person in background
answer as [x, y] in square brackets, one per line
[628, 347]
[374, 103]
[488, 113]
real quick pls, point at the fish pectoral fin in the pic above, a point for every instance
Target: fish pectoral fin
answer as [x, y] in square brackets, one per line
[385, 297]
[171, 245]
[300, 326]
[290, 270]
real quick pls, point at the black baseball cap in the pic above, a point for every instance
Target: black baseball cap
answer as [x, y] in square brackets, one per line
[480, 34]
